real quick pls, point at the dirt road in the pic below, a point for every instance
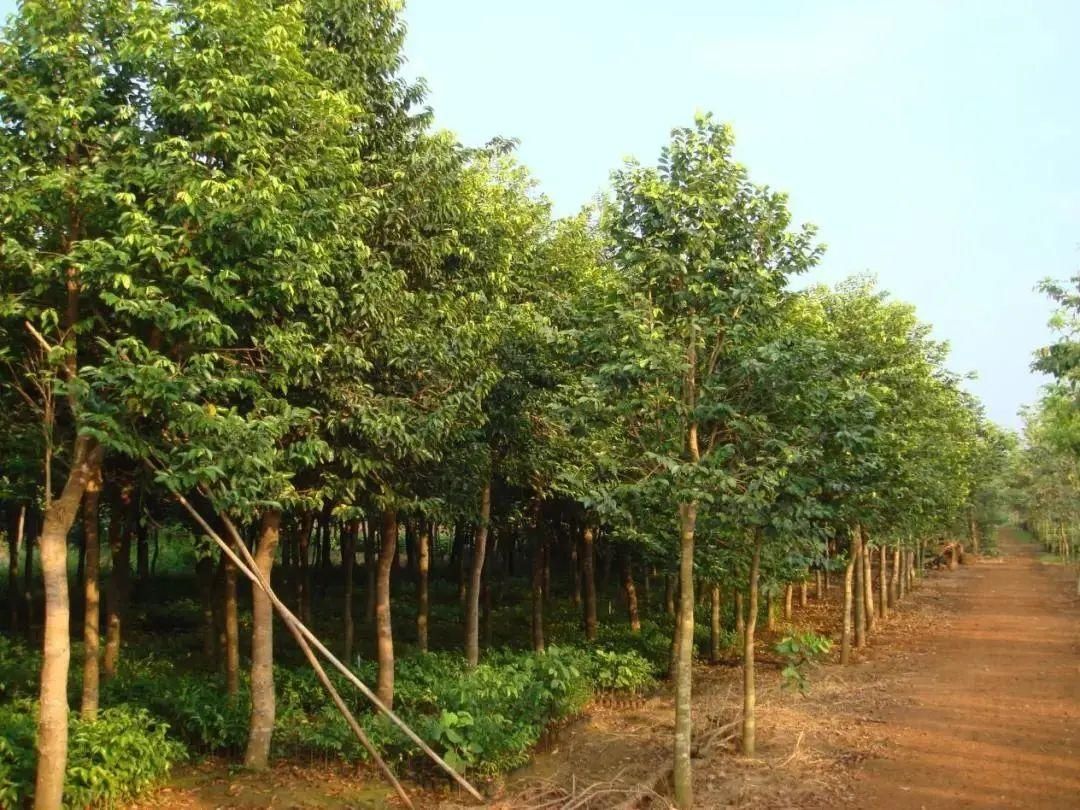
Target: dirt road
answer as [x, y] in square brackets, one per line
[991, 716]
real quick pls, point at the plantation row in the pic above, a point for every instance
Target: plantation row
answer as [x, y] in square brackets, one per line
[267, 331]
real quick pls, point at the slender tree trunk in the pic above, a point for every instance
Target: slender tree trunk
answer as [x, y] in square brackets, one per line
[860, 590]
[749, 728]
[263, 699]
[384, 635]
[348, 565]
[575, 571]
[630, 590]
[423, 553]
[883, 582]
[683, 776]
[740, 618]
[973, 531]
[819, 592]
[52, 732]
[849, 583]
[588, 575]
[118, 594]
[92, 599]
[28, 582]
[901, 573]
[303, 581]
[868, 586]
[370, 571]
[204, 573]
[789, 599]
[770, 613]
[15, 539]
[232, 629]
[142, 553]
[476, 572]
[804, 587]
[538, 593]
[894, 580]
[714, 623]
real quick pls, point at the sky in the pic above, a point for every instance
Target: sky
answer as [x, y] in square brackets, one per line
[933, 142]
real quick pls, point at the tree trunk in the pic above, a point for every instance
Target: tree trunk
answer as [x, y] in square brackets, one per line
[384, 634]
[232, 629]
[849, 582]
[740, 618]
[423, 563]
[714, 623]
[52, 731]
[15, 539]
[118, 593]
[263, 700]
[789, 600]
[973, 531]
[303, 580]
[631, 593]
[142, 553]
[819, 592]
[868, 586]
[860, 590]
[749, 728]
[204, 573]
[683, 776]
[92, 599]
[476, 572]
[538, 558]
[370, 571]
[348, 564]
[883, 582]
[804, 587]
[28, 582]
[575, 571]
[588, 576]
[894, 578]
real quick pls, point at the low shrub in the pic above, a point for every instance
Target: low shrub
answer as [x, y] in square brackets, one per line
[19, 668]
[110, 759]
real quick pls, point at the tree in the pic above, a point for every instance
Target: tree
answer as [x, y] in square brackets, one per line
[709, 253]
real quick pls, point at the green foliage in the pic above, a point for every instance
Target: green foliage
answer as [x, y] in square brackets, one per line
[110, 759]
[19, 668]
[800, 651]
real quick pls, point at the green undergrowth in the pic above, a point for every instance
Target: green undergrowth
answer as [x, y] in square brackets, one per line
[484, 721]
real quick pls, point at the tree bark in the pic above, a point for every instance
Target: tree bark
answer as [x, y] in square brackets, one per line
[538, 557]
[789, 598]
[683, 776]
[384, 634]
[92, 598]
[630, 591]
[16, 532]
[231, 628]
[348, 564]
[476, 572]
[740, 618]
[52, 732]
[883, 582]
[714, 623]
[370, 571]
[849, 582]
[423, 563]
[804, 587]
[894, 578]
[118, 592]
[749, 729]
[868, 586]
[860, 590]
[263, 699]
[588, 576]
[204, 573]
[303, 580]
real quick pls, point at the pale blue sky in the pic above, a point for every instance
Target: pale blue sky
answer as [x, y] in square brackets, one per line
[933, 143]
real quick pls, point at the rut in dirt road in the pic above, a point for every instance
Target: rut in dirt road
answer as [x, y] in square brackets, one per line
[992, 717]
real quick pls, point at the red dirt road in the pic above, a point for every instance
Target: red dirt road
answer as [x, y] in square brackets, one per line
[991, 717]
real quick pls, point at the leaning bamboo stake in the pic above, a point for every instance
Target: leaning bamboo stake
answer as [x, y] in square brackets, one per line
[294, 623]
